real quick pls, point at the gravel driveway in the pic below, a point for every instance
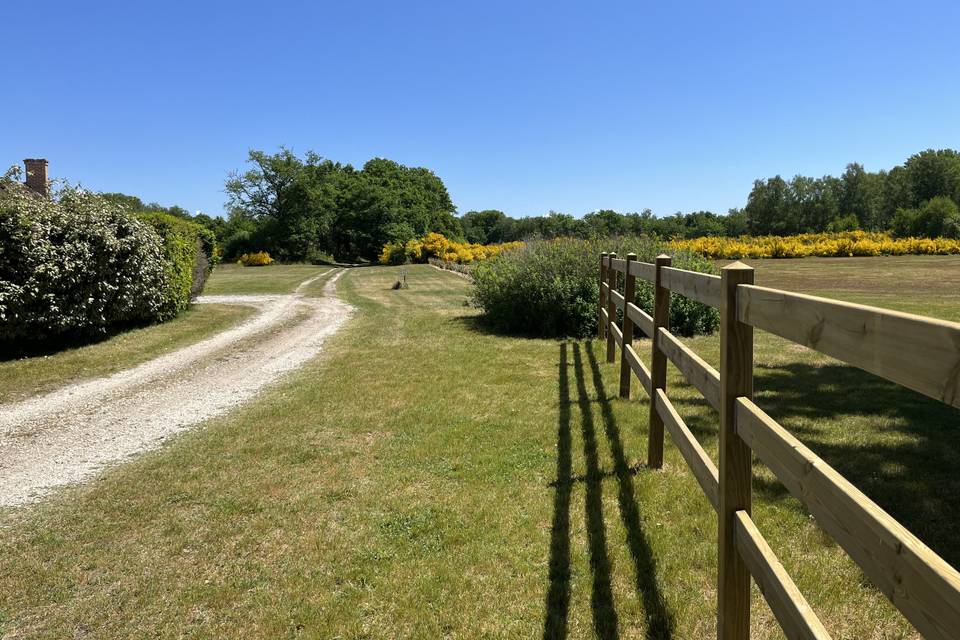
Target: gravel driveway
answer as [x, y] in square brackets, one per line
[70, 434]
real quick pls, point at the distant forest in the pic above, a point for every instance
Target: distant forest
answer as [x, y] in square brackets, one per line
[919, 197]
[314, 209]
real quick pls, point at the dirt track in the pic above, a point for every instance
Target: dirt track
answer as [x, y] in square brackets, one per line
[70, 434]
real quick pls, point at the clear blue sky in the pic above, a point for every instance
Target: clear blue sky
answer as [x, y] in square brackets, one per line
[520, 106]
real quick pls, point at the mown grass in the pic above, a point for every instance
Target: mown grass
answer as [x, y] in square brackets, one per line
[231, 279]
[27, 376]
[424, 478]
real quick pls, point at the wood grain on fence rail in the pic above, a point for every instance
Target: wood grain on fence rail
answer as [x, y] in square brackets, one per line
[644, 271]
[915, 579]
[640, 318]
[787, 603]
[643, 374]
[618, 264]
[617, 298]
[617, 334]
[702, 287]
[919, 353]
[697, 459]
[694, 368]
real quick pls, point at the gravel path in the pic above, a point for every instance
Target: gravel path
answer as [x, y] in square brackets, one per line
[70, 434]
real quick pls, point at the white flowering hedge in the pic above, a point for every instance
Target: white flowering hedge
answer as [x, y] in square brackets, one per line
[74, 265]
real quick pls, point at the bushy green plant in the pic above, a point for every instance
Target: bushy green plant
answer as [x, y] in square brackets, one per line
[550, 287]
[188, 249]
[74, 265]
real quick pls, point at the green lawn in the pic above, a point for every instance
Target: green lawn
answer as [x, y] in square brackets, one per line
[23, 377]
[229, 279]
[424, 478]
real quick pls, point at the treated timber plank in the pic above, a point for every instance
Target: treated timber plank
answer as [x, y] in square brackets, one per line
[629, 293]
[641, 371]
[736, 380]
[658, 362]
[611, 308]
[602, 302]
[697, 459]
[796, 618]
[640, 318]
[617, 334]
[618, 264]
[923, 586]
[617, 298]
[700, 374]
[644, 271]
[919, 353]
[702, 287]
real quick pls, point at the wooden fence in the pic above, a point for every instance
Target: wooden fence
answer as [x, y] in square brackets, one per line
[920, 353]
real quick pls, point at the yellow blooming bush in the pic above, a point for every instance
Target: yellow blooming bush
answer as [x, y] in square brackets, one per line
[436, 245]
[841, 244]
[258, 259]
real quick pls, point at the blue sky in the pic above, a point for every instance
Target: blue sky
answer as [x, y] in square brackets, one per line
[519, 106]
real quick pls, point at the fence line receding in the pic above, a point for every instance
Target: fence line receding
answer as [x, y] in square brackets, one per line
[922, 354]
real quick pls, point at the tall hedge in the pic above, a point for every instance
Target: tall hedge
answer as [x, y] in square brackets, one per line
[187, 248]
[550, 288]
[74, 266]
[77, 265]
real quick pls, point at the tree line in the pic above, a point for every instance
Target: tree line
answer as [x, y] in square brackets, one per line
[316, 209]
[918, 198]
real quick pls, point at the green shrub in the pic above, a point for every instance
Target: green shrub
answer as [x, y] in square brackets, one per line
[936, 218]
[73, 266]
[550, 288]
[188, 249]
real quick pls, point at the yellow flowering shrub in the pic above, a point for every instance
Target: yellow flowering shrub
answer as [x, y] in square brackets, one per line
[258, 259]
[436, 245]
[841, 244]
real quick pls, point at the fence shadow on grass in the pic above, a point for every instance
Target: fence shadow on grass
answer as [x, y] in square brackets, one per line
[605, 619]
[900, 448]
[908, 465]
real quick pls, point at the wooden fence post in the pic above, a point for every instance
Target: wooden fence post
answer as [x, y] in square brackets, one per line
[658, 364]
[736, 380]
[611, 309]
[629, 293]
[601, 330]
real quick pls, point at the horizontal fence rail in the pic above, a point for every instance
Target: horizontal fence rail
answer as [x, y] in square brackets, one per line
[919, 353]
[922, 354]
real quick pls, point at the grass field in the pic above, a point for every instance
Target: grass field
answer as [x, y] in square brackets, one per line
[424, 478]
[275, 278]
[22, 377]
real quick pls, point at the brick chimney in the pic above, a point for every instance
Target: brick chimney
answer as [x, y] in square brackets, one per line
[37, 175]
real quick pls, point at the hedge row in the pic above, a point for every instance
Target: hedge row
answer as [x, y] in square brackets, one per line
[188, 249]
[77, 265]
